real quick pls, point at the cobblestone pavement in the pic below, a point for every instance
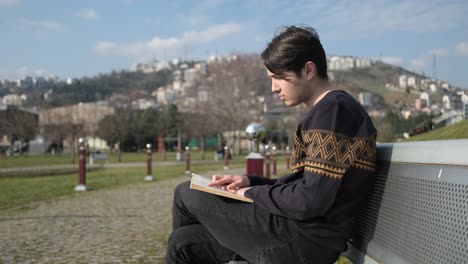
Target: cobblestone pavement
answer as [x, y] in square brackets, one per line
[121, 225]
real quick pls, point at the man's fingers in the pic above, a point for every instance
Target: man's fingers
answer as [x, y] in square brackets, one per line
[220, 180]
[216, 177]
[235, 185]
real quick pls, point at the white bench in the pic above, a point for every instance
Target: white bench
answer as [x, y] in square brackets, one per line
[417, 209]
[96, 156]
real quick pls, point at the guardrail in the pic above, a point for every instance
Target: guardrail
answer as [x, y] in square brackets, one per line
[417, 210]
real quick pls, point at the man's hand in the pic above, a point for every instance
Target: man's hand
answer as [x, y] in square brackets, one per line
[241, 191]
[234, 183]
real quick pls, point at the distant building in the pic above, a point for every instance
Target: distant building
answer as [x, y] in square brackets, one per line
[201, 67]
[161, 96]
[177, 85]
[411, 81]
[12, 99]
[446, 102]
[89, 115]
[464, 98]
[190, 75]
[166, 95]
[150, 67]
[419, 104]
[408, 81]
[343, 63]
[27, 82]
[41, 82]
[203, 96]
[465, 110]
[426, 97]
[366, 99]
[433, 87]
[402, 81]
[452, 102]
[406, 113]
[143, 104]
[445, 86]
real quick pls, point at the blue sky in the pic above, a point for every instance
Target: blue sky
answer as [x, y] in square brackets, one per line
[83, 38]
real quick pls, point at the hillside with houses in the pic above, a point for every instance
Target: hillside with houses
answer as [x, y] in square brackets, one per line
[200, 96]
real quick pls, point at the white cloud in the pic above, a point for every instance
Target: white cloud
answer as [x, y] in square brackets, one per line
[462, 48]
[261, 38]
[41, 25]
[169, 47]
[40, 72]
[9, 2]
[87, 13]
[393, 60]
[439, 52]
[211, 33]
[195, 20]
[417, 64]
[21, 71]
[211, 3]
[343, 19]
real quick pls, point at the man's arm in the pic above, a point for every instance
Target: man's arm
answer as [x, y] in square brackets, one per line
[331, 142]
[302, 199]
[259, 180]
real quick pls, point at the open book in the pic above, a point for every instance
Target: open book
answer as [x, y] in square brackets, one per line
[201, 183]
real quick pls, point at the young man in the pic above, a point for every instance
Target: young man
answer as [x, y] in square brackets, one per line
[307, 216]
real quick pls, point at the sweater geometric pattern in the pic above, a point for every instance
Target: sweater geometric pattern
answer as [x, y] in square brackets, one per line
[330, 154]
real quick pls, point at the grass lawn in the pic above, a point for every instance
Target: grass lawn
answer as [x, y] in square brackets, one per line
[20, 192]
[63, 159]
[456, 131]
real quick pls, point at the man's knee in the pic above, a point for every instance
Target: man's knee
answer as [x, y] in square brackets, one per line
[183, 195]
[173, 245]
[180, 191]
[180, 244]
[194, 244]
[182, 187]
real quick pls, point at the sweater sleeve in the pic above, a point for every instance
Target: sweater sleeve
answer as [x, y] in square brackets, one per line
[322, 155]
[258, 180]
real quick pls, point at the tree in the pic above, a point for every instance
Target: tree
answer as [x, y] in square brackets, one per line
[18, 124]
[233, 93]
[132, 129]
[115, 129]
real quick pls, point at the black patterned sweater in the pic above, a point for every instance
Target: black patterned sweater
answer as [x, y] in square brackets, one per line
[334, 160]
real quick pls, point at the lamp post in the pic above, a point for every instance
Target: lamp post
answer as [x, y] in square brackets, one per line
[226, 158]
[288, 158]
[267, 161]
[161, 148]
[82, 167]
[149, 175]
[255, 132]
[273, 156]
[187, 160]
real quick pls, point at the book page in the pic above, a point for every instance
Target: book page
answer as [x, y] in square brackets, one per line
[200, 183]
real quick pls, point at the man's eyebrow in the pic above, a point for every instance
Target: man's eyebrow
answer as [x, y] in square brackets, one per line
[278, 76]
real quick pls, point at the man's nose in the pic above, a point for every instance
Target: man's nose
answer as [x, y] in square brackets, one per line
[274, 86]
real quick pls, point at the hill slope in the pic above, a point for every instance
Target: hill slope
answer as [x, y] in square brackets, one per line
[457, 131]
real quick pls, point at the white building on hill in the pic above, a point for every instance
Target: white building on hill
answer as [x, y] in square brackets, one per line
[343, 63]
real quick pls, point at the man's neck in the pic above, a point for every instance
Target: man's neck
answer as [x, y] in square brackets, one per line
[320, 88]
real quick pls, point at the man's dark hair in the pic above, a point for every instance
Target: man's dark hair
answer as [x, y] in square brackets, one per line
[292, 48]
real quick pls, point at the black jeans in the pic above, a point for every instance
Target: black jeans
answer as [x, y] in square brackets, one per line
[212, 229]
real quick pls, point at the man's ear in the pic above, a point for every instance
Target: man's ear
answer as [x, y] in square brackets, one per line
[309, 70]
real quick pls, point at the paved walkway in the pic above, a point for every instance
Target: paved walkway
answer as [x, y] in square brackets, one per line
[121, 225]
